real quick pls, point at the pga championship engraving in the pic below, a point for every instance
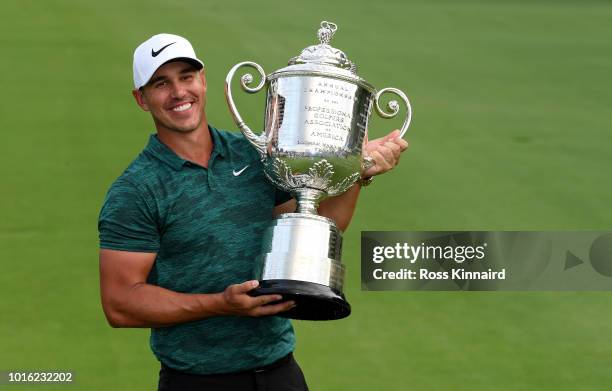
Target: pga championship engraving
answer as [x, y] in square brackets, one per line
[315, 125]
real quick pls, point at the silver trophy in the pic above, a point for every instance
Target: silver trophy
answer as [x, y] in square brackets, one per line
[316, 121]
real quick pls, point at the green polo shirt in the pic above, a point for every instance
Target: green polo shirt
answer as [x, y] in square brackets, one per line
[206, 226]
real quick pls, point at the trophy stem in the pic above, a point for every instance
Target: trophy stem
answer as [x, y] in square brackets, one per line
[308, 200]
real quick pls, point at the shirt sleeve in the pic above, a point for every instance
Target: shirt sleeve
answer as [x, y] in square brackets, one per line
[280, 197]
[127, 222]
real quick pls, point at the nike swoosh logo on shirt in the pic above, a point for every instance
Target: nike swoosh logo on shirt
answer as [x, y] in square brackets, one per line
[236, 173]
[155, 53]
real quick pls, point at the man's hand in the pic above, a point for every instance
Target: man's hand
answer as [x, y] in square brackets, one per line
[385, 152]
[236, 301]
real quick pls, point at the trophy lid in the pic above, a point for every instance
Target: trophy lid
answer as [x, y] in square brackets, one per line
[323, 53]
[323, 60]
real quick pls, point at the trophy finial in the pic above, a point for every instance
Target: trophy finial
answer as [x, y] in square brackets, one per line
[323, 53]
[326, 32]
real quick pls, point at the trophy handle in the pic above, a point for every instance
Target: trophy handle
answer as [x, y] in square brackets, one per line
[259, 142]
[393, 107]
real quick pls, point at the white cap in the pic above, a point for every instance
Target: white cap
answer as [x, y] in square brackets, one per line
[158, 50]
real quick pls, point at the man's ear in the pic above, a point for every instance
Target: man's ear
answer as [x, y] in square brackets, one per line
[203, 77]
[140, 99]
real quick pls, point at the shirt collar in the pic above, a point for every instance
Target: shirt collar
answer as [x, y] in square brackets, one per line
[161, 151]
[219, 143]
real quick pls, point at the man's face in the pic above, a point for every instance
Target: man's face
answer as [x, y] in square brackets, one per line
[175, 96]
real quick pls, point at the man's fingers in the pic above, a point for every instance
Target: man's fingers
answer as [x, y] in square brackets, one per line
[266, 299]
[274, 308]
[394, 147]
[386, 152]
[372, 145]
[379, 164]
[383, 157]
[241, 304]
[375, 155]
[392, 135]
[244, 287]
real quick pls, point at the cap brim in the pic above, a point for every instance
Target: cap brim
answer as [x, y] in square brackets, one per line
[193, 61]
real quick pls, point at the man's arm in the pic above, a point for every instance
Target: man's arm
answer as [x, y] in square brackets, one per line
[385, 152]
[128, 301]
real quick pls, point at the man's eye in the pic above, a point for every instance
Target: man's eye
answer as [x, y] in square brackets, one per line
[160, 84]
[187, 77]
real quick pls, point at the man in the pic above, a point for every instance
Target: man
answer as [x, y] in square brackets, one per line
[180, 230]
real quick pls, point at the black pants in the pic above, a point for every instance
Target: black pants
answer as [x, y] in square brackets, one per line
[282, 375]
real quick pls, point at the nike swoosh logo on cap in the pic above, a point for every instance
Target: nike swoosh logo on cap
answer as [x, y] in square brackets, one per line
[155, 53]
[236, 173]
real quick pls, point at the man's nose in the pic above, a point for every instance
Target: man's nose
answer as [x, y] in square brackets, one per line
[178, 91]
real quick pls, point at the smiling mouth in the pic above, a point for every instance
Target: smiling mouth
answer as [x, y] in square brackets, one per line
[183, 107]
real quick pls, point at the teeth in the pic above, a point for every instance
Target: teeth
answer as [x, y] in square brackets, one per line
[184, 107]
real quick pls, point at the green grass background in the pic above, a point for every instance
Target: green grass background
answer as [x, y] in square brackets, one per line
[511, 131]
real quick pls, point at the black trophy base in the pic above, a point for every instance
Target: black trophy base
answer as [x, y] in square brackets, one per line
[313, 301]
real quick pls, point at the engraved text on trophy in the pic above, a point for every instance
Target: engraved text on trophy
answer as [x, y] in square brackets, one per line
[317, 112]
[329, 114]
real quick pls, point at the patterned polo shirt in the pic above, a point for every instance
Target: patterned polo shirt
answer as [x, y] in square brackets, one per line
[206, 226]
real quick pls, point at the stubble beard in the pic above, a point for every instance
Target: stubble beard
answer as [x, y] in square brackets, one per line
[175, 128]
